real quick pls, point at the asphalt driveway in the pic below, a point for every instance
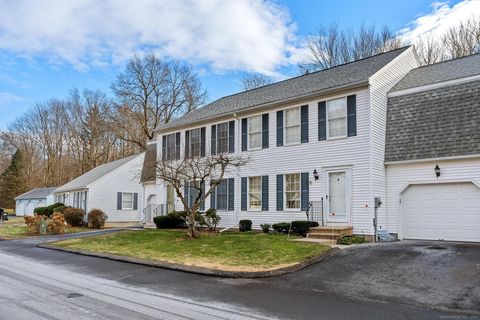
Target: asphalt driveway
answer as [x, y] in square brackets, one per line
[443, 275]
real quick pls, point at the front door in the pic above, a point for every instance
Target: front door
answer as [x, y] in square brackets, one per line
[337, 197]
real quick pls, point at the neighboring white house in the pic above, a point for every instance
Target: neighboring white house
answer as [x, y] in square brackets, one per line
[433, 152]
[328, 124]
[38, 197]
[113, 187]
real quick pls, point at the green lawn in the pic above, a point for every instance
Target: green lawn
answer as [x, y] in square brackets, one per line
[15, 228]
[229, 251]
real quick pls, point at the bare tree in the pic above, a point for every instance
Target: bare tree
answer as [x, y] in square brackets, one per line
[429, 50]
[330, 46]
[193, 174]
[463, 39]
[254, 80]
[151, 91]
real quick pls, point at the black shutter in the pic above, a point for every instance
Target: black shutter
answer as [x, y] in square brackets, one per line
[280, 128]
[265, 131]
[352, 115]
[177, 146]
[304, 185]
[213, 146]
[187, 144]
[202, 141]
[231, 194]
[304, 124]
[244, 134]
[244, 194]
[164, 148]
[279, 192]
[202, 201]
[135, 201]
[264, 193]
[212, 196]
[231, 137]
[322, 120]
[119, 201]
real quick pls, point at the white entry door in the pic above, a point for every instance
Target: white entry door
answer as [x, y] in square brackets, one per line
[447, 211]
[337, 194]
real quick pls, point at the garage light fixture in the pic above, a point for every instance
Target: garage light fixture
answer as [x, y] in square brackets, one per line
[437, 171]
[315, 174]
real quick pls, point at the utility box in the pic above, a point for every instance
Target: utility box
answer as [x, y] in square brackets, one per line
[42, 227]
[377, 202]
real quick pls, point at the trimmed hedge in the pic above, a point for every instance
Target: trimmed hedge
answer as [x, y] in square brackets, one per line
[96, 219]
[175, 219]
[281, 227]
[245, 225]
[348, 240]
[41, 211]
[265, 227]
[73, 216]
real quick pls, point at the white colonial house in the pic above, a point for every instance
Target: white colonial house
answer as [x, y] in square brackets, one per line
[321, 148]
[113, 187]
[38, 197]
[316, 144]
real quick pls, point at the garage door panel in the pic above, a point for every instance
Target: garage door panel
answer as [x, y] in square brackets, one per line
[441, 211]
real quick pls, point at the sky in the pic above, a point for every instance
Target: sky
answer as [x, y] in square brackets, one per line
[49, 47]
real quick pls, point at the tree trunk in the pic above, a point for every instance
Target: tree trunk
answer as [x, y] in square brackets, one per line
[192, 232]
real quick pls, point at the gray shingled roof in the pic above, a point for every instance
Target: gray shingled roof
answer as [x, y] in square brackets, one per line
[321, 81]
[37, 193]
[149, 163]
[442, 122]
[96, 173]
[440, 72]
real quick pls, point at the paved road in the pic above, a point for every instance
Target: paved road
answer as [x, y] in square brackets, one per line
[43, 284]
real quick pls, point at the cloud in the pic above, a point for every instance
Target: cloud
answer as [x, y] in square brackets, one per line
[251, 35]
[440, 19]
[7, 99]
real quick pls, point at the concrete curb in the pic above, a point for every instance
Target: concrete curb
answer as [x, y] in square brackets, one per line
[198, 270]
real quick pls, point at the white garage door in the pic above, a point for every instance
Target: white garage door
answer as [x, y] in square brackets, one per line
[442, 212]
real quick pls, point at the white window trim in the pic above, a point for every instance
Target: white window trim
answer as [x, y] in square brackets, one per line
[228, 137]
[190, 153]
[285, 193]
[248, 133]
[125, 208]
[216, 197]
[285, 127]
[328, 122]
[248, 194]
[167, 158]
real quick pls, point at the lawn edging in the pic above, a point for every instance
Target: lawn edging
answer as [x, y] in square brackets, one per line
[198, 270]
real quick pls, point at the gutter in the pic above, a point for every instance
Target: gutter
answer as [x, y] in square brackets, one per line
[240, 112]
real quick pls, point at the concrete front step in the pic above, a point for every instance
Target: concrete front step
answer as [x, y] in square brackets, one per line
[330, 233]
[326, 236]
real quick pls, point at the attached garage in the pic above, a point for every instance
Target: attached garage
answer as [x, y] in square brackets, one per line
[442, 211]
[26, 203]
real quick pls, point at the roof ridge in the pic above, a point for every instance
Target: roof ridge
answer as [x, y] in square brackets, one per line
[307, 74]
[449, 60]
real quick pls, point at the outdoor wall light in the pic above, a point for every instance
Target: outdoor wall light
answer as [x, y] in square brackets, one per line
[315, 174]
[437, 170]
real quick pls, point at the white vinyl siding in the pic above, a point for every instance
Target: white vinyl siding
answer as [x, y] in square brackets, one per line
[255, 132]
[292, 126]
[127, 201]
[255, 193]
[292, 191]
[337, 118]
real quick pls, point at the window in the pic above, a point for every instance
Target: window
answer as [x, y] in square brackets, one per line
[171, 146]
[255, 132]
[195, 143]
[292, 191]
[222, 138]
[255, 193]
[337, 118]
[221, 192]
[292, 126]
[127, 201]
[193, 191]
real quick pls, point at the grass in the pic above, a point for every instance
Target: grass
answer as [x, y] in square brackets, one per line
[229, 251]
[15, 228]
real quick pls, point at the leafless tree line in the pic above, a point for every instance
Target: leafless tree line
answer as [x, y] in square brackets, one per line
[331, 46]
[61, 139]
